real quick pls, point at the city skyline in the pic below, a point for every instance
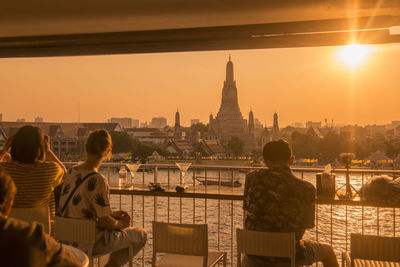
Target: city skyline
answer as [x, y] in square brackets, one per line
[294, 82]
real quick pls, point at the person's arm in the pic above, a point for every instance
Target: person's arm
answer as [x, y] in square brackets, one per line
[6, 148]
[245, 199]
[309, 215]
[50, 154]
[101, 204]
[110, 223]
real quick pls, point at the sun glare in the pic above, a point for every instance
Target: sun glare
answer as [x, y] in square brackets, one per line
[354, 55]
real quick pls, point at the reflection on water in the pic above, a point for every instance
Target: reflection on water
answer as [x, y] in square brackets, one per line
[333, 222]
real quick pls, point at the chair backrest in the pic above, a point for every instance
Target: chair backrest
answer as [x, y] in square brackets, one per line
[80, 231]
[378, 248]
[38, 214]
[186, 239]
[266, 244]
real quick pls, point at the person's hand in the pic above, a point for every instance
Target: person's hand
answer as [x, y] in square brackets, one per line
[7, 145]
[121, 215]
[124, 220]
[124, 223]
[46, 139]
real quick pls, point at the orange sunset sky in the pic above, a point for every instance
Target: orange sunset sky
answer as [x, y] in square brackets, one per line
[301, 84]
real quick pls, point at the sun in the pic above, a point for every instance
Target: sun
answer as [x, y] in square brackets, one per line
[353, 55]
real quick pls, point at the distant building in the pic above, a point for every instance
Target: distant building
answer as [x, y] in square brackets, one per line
[153, 136]
[258, 124]
[298, 125]
[66, 139]
[194, 121]
[20, 120]
[135, 123]
[124, 122]
[180, 147]
[213, 148]
[229, 121]
[177, 127]
[144, 125]
[377, 131]
[313, 124]
[159, 122]
[397, 132]
[1, 117]
[393, 125]
[38, 119]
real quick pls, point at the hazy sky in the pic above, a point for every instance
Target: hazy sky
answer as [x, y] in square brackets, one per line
[301, 84]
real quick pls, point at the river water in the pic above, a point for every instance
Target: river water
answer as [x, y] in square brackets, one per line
[333, 222]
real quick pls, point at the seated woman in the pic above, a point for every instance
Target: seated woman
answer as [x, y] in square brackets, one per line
[34, 177]
[85, 195]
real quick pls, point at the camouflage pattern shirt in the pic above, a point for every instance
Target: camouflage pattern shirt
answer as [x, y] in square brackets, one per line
[275, 200]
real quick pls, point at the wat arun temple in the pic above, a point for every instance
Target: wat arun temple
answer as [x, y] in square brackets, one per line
[229, 121]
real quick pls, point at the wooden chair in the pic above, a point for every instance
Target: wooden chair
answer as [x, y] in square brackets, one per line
[184, 245]
[369, 250]
[265, 244]
[38, 214]
[82, 232]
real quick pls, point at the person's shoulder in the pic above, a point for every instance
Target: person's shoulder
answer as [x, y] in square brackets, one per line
[307, 186]
[94, 178]
[7, 164]
[257, 174]
[22, 229]
[48, 165]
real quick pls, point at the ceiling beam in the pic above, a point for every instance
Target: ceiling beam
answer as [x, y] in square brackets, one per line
[367, 30]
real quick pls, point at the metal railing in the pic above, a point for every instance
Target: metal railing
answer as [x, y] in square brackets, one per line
[220, 206]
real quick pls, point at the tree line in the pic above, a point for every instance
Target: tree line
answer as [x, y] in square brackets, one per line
[328, 148]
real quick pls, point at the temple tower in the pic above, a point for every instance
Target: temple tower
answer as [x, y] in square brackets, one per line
[275, 128]
[177, 127]
[251, 123]
[229, 121]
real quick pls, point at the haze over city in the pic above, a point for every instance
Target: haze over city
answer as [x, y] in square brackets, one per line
[300, 84]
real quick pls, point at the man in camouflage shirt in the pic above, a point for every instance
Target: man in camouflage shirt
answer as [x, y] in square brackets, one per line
[275, 200]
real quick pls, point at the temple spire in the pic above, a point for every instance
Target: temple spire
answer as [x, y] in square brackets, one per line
[177, 128]
[251, 123]
[275, 128]
[229, 70]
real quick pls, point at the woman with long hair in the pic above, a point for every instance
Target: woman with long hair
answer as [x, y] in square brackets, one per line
[34, 177]
[85, 194]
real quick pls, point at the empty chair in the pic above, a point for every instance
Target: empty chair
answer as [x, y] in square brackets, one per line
[38, 214]
[82, 232]
[80, 254]
[369, 250]
[266, 244]
[184, 245]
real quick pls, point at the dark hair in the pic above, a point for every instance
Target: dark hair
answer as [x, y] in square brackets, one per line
[277, 152]
[98, 142]
[28, 145]
[7, 191]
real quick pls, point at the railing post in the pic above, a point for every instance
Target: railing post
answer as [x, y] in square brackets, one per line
[205, 199]
[168, 186]
[155, 198]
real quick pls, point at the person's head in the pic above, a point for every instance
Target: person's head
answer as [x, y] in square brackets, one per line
[28, 145]
[99, 144]
[278, 153]
[7, 192]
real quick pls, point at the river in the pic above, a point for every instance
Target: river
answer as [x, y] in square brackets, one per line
[332, 225]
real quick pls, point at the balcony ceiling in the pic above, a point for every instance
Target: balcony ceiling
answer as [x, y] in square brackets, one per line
[58, 28]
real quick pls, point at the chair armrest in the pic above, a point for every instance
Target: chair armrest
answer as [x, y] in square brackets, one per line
[346, 259]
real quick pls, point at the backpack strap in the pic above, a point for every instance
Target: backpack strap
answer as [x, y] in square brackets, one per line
[61, 212]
